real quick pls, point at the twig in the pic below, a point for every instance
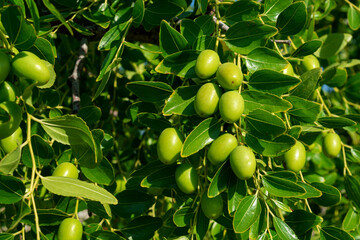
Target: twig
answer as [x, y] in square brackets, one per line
[288, 42]
[75, 76]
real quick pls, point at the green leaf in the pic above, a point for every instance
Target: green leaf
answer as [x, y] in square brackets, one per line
[336, 122]
[57, 14]
[162, 176]
[103, 173]
[34, 13]
[272, 81]
[281, 205]
[163, 9]
[270, 148]
[102, 210]
[338, 80]
[236, 192]
[202, 225]
[283, 230]
[309, 81]
[351, 220]
[301, 221]
[90, 114]
[73, 131]
[285, 174]
[353, 16]
[220, 180]
[70, 187]
[150, 91]
[142, 227]
[113, 37]
[260, 224]
[11, 161]
[265, 58]
[7, 236]
[190, 30]
[304, 110]
[171, 41]
[307, 48]
[43, 152]
[138, 12]
[311, 192]
[273, 8]
[292, 20]
[332, 44]
[352, 88]
[132, 202]
[43, 49]
[203, 134]
[80, 29]
[352, 187]
[242, 10]
[154, 121]
[11, 189]
[47, 217]
[206, 24]
[243, 37]
[266, 101]
[183, 216]
[20, 32]
[330, 195]
[334, 233]
[105, 235]
[263, 124]
[181, 64]
[181, 102]
[282, 187]
[246, 214]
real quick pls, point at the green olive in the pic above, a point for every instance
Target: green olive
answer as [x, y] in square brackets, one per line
[309, 62]
[212, 207]
[207, 63]
[9, 144]
[66, 169]
[169, 145]
[231, 106]
[70, 229]
[8, 126]
[186, 178]
[229, 76]
[27, 65]
[289, 70]
[221, 148]
[207, 99]
[120, 184]
[331, 145]
[5, 66]
[295, 157]
[7, 92]
[243, 162]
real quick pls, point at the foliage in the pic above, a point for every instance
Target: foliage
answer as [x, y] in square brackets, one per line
[114, 74]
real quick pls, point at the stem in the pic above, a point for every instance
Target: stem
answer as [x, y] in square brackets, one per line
[76, 209]
[353, 5]
[36, 217]
[33, 172]
[3, 38]
[346, 168]
[292, 44]
[306, 201]
[323, 103]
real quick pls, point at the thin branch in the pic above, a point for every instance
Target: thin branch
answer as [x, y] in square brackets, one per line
[75, 76]
[288, 42]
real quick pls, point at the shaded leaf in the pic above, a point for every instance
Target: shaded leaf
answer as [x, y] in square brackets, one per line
[246, 214]
[282, 187]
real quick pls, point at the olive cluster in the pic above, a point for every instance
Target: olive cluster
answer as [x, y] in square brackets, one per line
[208, 100]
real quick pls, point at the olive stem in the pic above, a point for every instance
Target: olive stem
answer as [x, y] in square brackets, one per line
[3, 38]
[276, 47]
[76, 209]
[306, 201]
[291, 43]
[323, 103]
[31, 155]
[36, 217]
[346, 168]
[287, 120]
[353, 5]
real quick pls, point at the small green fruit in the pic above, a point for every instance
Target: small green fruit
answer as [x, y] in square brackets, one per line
[295, 158]
[243, 162]
[66, 169]
[331, 145]
[221, 148]
[70, 229]
[207, 100]
[309, 62]
[231, 106]
[7, 92]
[5, 66]
[186, 178]
[9, 144]
[229, 76]
[289, 70]
[207, 63]
[9, 125]
[169, 145]
[212, 207]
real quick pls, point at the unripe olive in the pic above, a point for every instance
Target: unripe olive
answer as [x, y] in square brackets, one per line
[4, 66]
[7, 92]
[27, 65]
[70, 229]
[9, 144]
[289, 70]
[169, 145]
[207, 63]
[212, 207]
[309, 62]
[229, 76]
[186, 178]
[243, 162]
[207, 99]
[295, 157]
[231, 106]
[66, 169]
[331, 145]
[221, 148]
[8, 126]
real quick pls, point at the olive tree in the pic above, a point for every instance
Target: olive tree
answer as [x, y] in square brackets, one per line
[179, 119]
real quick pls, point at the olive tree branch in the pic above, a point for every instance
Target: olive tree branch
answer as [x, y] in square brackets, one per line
[75, 76]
